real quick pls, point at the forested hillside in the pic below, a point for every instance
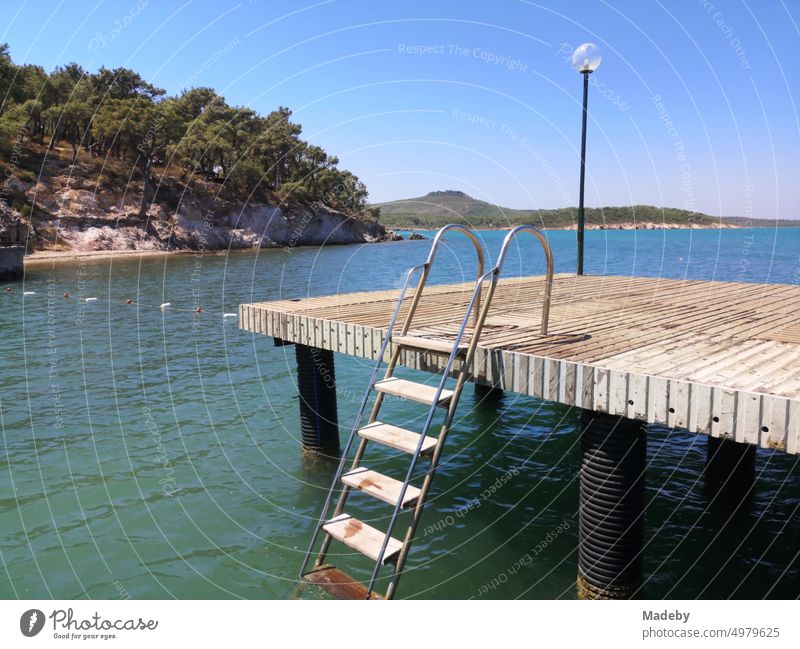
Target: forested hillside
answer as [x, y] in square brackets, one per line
[116, 115]
[449, 206]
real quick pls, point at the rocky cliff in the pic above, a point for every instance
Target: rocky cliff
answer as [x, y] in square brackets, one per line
[70, 209]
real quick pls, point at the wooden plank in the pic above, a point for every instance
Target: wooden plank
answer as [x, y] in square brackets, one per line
[553, 383]
[521, 368]
[793, 427]
[678, 404]
[362, 537]
[536, 377]
[427, 344]
[338, 584]
[723, 409]
[587, 391]
[748, 418]
[619, 387]
[419, 392]
[638, 397]
[380, 486]
[700, 408]
[602, 397]
[397, 438]
[569, 388]
[775, 424]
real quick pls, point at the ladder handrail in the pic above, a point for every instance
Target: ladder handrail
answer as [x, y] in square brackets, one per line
[429, 420]
[548, 291]
[464, 230]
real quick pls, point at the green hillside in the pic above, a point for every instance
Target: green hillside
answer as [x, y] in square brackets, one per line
[441, 207]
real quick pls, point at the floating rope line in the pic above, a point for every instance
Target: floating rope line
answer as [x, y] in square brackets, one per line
[168, 306]
[225, 315]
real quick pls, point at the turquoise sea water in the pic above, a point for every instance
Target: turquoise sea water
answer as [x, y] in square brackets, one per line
[155, 453]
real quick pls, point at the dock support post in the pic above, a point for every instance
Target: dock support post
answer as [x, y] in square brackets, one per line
[730, 466]
[487, 392]
[611, 530]
[316, 382]
[11, 262]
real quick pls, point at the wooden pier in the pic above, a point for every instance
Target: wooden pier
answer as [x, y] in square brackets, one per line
[717, 358]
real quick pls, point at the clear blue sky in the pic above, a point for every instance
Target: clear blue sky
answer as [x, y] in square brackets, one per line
[492, 108]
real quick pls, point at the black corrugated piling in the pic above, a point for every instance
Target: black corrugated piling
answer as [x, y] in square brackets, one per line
[316, 382]
[487, 392]
[730, 466]
[611, 531]
[11, 262]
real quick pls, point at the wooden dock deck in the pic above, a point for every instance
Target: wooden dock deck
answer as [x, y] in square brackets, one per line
[717, 358]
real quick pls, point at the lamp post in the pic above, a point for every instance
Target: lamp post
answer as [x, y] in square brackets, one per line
[585, 59]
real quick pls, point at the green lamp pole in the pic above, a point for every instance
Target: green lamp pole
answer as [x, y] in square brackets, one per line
[585, 59]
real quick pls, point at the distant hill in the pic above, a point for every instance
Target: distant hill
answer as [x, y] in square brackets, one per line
[449, 206]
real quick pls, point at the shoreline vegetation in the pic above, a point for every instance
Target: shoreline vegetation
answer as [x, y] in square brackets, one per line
[107, 161]
[642, 225]
[438, 208]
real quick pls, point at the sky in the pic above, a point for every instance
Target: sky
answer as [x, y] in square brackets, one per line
[695, 103]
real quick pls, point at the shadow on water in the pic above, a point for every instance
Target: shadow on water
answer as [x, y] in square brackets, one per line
[719, 538]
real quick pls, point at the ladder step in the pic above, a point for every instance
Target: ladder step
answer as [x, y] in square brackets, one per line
[413, 391]
[380, 486]
[428, 345]
[360, 536]
[396, 437]
[338, 584]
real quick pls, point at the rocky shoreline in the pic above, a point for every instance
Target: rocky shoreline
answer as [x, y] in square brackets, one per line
[72, 215]
[641, 225]
[650, 225]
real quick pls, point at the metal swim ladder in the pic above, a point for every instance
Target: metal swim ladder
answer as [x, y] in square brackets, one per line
[381, 547]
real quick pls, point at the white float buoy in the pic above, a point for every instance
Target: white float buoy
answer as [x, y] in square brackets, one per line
[230, 315]
[90, 299]
[29, 293]
[166, 305]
